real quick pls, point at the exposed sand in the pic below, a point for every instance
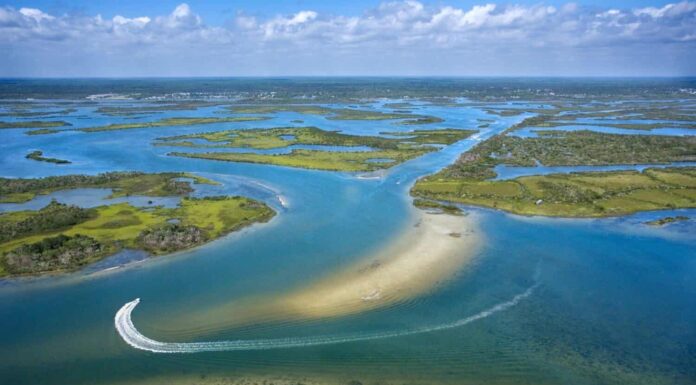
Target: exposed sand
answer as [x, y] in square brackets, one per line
[432, 249]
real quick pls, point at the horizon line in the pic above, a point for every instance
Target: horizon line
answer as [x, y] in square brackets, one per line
[351, 76]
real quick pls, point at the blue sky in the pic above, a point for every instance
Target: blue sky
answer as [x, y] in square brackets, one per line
[360, 37]
[217, 11]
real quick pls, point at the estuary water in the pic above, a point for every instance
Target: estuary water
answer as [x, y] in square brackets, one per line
[550, 301]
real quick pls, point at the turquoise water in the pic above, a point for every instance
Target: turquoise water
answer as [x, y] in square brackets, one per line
[615, 301]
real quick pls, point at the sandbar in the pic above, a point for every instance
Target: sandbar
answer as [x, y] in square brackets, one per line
[431, 249]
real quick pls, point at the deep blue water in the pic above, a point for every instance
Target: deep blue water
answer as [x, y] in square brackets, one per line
[616, 301]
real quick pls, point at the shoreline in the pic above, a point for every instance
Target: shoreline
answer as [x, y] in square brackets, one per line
[432, 249]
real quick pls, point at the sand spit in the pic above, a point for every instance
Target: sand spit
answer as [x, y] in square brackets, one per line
[432, 249]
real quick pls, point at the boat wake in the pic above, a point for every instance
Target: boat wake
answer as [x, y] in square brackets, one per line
[131, 335]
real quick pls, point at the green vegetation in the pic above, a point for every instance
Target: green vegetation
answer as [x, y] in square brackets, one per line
[34, 124]
[172, 122]
[64, 238]
[51, 254]
[505, 112]
[423, 120]
[571, 195]
[401, 105]
[38, 156]
[42, 131]
[318, 160]
[272, 109]
[122, 183]
[55, 216]
[32, 114]
[396, 150]
[439, 136]
[153, 108]
[547, 121]
[667, 220]
[427, 204]
[589, 194]
[334, 113]
[676, 115]
[287, 136]
[562, 148]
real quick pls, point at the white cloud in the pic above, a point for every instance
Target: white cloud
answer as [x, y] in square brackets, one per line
[136, 21]
[181, 17]
[669, 10]
[35, 14]
[392, 29]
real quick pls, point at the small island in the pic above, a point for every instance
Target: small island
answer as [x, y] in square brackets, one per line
[667, 220]
[60, 237]
[157, 107]
[38, 156]
[335, 113]
[42, 131]
[169, 122]
[34, 124]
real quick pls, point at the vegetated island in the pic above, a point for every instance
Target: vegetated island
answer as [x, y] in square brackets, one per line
[122, 183]
[42, 131]
[581, 194]
[398, 105]
[667, 220]
[154, 108]
[33, 114]
[173, 122]
[437, 207]
[63, 237]
[34, 124]
[629, 115]
[336, 113]
[38, 156]
[386, 152]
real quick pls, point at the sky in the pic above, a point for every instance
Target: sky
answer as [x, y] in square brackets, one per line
[128, 38]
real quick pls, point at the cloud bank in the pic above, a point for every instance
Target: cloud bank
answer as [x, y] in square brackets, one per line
[395, 38]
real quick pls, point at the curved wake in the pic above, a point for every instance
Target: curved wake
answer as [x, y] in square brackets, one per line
[131, 335]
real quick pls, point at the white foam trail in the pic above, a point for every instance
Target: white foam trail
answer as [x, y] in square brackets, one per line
[131, 335]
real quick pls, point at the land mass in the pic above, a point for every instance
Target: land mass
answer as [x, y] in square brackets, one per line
[584, 194]
[336, 113]
[38, 156]
[17, 190]
[384, 151]
[42, 131]
[154, 108]
[34, 124]
[35, 114]
[172, 122]
[667, 220]
[62, 237]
